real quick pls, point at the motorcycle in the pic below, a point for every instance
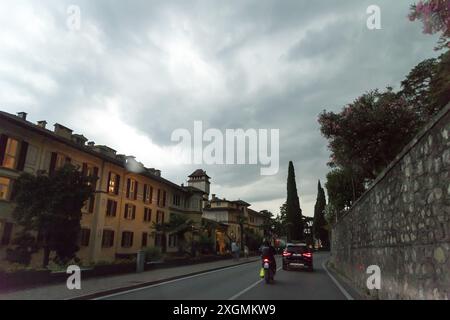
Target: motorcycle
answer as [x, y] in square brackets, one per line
[267, 271]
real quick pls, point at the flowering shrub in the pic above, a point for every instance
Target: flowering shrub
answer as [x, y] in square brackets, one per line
[435, 16]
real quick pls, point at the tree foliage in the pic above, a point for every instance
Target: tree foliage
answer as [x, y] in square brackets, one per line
[50, 206]
[368, 133]
[435, 16]
[294, 222]
[320, 230]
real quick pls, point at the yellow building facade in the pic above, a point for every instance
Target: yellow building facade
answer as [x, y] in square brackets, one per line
[118, 221]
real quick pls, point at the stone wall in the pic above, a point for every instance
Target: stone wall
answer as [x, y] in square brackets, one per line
[402, 223]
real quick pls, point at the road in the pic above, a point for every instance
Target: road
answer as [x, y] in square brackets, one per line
[243, 283]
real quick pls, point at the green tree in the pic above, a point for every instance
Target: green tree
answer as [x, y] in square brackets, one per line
[178, 225]
[50, 205]
[293, 212]
[343, 188]
[368, 133]
[320, 229]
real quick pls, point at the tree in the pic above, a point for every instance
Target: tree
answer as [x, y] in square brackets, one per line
[320, 230]
[178, 224]
[435, 16]
[293, 212]
[343, 189]
[426, 88]
[268, 224]
[50, 206]
[368, 133]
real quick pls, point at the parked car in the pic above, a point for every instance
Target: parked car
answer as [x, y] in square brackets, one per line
[298, 255]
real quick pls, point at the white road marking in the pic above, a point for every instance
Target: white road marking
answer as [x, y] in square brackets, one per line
[237, 295]
[167, 282]
[344, 292]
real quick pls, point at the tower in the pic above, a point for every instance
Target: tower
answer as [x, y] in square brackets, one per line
[200, 180]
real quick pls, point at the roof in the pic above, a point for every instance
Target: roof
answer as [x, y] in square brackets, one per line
[193, 189]
[83, 148]
[241, 202]
[199, 173]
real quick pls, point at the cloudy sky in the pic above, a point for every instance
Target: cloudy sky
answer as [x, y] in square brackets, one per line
[137, 70]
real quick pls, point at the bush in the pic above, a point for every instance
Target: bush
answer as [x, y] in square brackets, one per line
[152, 254]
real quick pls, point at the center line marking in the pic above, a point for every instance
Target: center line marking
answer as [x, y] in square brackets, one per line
[237, 295]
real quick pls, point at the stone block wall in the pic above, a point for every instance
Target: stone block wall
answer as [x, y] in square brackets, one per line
[402, 223]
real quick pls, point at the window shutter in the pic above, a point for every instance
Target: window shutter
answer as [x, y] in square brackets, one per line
[95, 176]
[123, 239]
[52, 163]
[134, 212]
[126, 211]
[131, 238]
[144, 198]
[115, 208]
[108, 183]
[91, 204]
[116, 191]
[84, 170]
[3, 142]
[136, 190]
[22, 156]
[128, 187]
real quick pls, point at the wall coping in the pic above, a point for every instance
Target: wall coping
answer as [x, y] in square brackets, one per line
[418, 137]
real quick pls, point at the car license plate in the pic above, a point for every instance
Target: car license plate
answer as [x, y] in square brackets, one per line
[266, 265]
[297, 264]
[297, 255]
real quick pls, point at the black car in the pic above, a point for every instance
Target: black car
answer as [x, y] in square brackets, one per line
[298, 256]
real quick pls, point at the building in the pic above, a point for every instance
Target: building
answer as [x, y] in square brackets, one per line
[238, 218]
[119, 220]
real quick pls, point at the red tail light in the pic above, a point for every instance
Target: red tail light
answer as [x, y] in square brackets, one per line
[266, 260]
[286, 254]
[307, 254]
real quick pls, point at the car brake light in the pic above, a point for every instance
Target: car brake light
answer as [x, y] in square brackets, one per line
[266, 260]
[307, 254]
[286, 254]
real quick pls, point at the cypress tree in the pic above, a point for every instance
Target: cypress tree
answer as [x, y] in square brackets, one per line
[293, 212]
[319, 224]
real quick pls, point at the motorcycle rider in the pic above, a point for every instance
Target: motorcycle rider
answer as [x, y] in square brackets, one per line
[268, 252]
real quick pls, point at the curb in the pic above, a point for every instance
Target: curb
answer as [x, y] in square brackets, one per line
[149, 283]
[356, 293]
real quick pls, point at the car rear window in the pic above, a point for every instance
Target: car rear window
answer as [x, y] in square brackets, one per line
[297, 249]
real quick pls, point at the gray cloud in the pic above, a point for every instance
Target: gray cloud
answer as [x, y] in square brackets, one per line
[154, 66]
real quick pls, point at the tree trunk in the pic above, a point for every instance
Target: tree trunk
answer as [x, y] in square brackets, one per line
[46, 256]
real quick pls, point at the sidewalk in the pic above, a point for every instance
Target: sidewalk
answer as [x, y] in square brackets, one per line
[93, 286]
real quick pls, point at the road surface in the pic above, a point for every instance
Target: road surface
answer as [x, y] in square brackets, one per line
[243, 283]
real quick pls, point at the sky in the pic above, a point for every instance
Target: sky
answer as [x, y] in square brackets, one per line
[132, 72]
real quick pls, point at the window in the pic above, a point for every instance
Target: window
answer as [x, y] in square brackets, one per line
[127, 239]
[89, 171]
[111, 208]
[4, 188]
[159, 240]
[10, 157]
[164, 198]
[57, 160]
[148, 193]
[7, 232]
[158, 201]
[176, 199]
[113, 183]
[84, 237]
[173, 240]
[132, 189]
[144, 239]
[130, 212]
[90, 204]
[108, 238]
[159, 217]
[147, 214]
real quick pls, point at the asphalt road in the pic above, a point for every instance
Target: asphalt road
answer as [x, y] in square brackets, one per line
[243, 283]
